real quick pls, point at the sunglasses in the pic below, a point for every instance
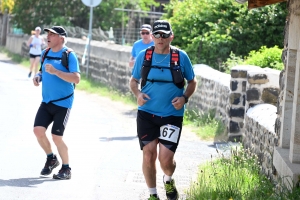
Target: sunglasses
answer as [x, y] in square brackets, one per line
[162, 35]
[145, 33]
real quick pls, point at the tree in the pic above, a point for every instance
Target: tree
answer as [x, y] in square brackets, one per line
[210, 30]
[6, 5]
[72, 13]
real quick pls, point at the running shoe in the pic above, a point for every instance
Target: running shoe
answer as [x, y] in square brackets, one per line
[29, 75]
[171, 190]
[153, 197]
[51, 163]
[63, 174]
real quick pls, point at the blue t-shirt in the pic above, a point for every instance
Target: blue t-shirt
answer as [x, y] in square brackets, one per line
[54, 87]
[161, 94]
[138, 46]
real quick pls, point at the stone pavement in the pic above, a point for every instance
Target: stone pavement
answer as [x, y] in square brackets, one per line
[104, 151]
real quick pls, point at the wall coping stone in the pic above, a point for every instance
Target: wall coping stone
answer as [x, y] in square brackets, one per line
[245, 67]
[264, 114]
[272, 74]
[208, 72]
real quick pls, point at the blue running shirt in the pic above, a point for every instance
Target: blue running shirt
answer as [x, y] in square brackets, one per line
[161, 94]
[138, 46]
[54, 87]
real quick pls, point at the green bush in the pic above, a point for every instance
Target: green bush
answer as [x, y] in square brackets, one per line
[232, 61]
[266, 57]
[210, 30]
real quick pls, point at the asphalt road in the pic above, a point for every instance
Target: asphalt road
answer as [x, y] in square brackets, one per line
[104, 151]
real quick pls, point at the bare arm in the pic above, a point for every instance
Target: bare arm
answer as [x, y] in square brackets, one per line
[191, 87]
[134, 87]
[69, 77]
[131, 61]
[43, 41]
[178, 102]
[66, 76]
[29, 41]
[141, 98]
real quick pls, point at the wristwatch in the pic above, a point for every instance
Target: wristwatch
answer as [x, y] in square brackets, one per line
[185, 98]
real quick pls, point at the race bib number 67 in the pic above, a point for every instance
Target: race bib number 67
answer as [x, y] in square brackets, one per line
[169, 132]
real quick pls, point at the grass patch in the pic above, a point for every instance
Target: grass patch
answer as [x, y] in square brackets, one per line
[15, 57]
[94, 87]
[205, 125]
[236, 177]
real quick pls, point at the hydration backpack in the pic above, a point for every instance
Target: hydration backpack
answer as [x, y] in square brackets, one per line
[177, 75]
[64, 61]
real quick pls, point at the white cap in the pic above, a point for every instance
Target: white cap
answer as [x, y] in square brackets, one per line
[38, 28]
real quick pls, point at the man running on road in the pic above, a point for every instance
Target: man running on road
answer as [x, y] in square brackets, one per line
[58, 82]
[161, 105]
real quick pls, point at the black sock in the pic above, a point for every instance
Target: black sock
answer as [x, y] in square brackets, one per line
[50, 155]
[64, 166]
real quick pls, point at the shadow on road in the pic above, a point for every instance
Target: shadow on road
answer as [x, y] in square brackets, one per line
[6, 61]
[131, 113]
[24, 182]
[108, 139]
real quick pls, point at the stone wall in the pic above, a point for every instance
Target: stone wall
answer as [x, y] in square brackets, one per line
[260, 137]
[250, 86]
[253, 112]
[212, 92]
[245, 100]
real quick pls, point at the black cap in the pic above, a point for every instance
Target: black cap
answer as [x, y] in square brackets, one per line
[146, 27]
[57, 30]
[162, 26]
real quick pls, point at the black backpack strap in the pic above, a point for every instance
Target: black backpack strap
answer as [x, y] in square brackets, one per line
[52, 58]
[43, 58]
[65, 58]
[146, 65]
[60, 99]
[176, 72]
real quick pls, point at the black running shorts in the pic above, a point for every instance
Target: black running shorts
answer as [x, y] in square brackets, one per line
[166, 129]
[34, 56]
[48, 113]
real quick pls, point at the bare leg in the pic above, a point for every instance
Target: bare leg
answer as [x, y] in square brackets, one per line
[149, 167]
[40, 133]
[62, 148]
[36, 64]
[166, 159]
[31, 64]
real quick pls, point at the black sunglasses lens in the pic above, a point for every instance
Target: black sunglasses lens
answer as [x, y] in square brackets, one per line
[157, 35]
[145, 33]
[165, 35]
[162, 35]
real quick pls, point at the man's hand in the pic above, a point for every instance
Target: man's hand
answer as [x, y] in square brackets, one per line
[131, 63]
[50, 69]
[178, 102]
[142, 99]
[37, 79]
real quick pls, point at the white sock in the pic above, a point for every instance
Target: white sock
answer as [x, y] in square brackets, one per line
[167, 178]
[152, 190]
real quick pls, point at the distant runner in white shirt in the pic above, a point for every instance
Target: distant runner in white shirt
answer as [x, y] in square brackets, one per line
[35, 43]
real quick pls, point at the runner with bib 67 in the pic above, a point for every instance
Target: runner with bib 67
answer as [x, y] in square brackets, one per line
[162, 71]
